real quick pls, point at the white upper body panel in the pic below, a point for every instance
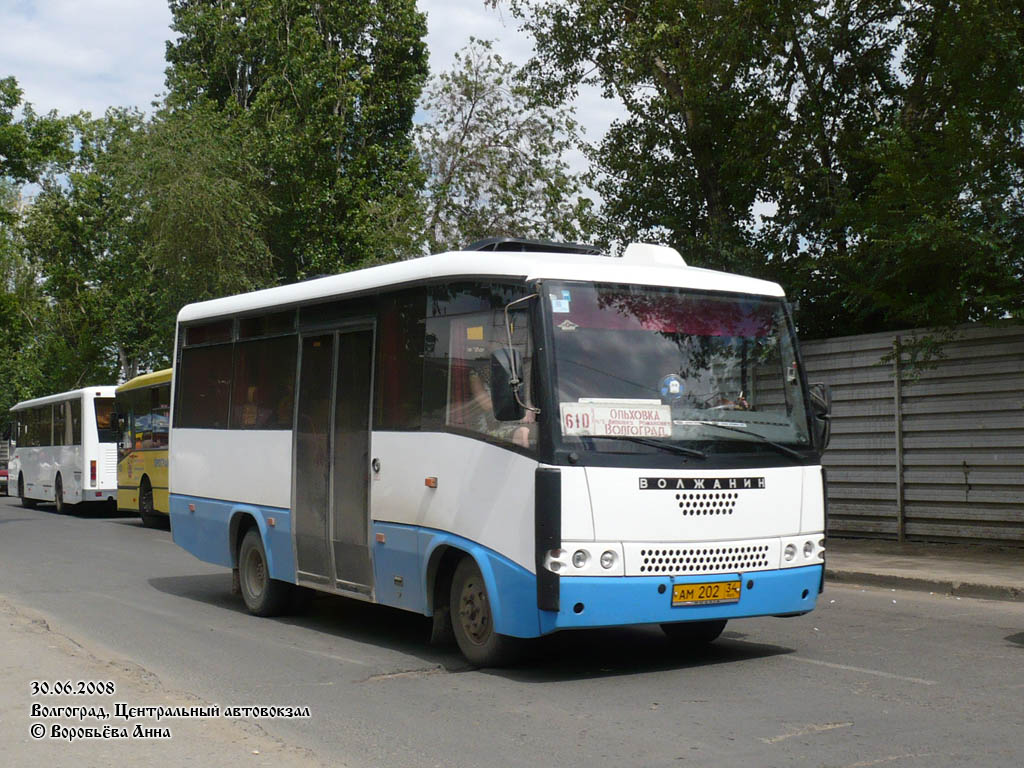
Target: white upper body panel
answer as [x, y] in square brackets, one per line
[496, 264]
[484, 493]
[240, 465]
[70, 395]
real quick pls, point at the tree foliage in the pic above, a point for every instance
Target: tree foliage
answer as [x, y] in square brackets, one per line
[323, 96]
[495, 161]
[869, 155]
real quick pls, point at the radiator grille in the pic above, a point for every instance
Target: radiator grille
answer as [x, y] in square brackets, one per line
[686, 558]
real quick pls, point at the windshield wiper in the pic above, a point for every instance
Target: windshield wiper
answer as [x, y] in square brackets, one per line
[671, 447]
[777, 446]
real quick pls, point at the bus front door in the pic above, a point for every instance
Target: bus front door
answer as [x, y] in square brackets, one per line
[332, 456]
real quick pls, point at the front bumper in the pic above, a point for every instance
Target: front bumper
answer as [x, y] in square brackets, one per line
[604, 602]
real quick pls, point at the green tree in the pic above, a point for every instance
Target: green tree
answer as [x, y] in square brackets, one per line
[686, 164]
[495, 161]
[886, 139]
[22, 308]
[323, 95]
[82, 238]
[899, 175]
[200, 203]
[29, 144]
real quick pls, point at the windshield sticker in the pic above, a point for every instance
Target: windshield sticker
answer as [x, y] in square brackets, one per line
[686, 423]
[559, 304]
[475, 333]
[567, 325]
[616, 419]
[672, 387]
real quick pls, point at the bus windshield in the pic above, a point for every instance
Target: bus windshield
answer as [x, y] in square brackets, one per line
[638, 365]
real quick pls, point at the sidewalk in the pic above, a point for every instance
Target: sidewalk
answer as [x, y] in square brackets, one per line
[35, 650]
[965, 570]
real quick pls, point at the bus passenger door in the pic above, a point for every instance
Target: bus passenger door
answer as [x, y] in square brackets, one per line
[311, 473]
[332, 460]
[351, 460]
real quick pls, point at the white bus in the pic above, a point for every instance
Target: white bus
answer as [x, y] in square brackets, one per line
[66, 448]
[514, 439]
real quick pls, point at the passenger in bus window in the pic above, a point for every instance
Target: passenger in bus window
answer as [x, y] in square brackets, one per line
[521, 433]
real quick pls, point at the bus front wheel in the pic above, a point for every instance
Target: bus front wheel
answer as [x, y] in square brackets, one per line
[263, 595]
[473, 620]
[27, 503]
[693, 634]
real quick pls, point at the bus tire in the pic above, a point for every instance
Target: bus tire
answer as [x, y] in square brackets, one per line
[58, 495]
[473, 620]
[27, 503]
[150, 517]
[693, 634]
[263, 595]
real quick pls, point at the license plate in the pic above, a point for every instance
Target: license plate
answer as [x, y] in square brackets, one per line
[708, 593]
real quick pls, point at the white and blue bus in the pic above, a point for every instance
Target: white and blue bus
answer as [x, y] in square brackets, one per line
[65, 448]
[515, 439]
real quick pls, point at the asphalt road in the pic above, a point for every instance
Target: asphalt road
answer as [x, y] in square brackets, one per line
[873, 677]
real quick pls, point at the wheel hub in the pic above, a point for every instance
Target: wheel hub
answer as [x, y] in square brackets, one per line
[474, 613]
[256, 574]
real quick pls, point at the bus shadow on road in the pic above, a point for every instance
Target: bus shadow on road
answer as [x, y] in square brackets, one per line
[570, 655]
[342, 617]
[583, 654]
[89, 510]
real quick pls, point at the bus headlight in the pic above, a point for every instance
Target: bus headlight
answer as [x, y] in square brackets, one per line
[607, 559]
[580, 558]
[799, 551]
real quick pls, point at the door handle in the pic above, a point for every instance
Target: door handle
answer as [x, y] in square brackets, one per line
[375, 464]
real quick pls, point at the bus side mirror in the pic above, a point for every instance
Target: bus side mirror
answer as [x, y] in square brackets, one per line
[505, 365]
[821, 407]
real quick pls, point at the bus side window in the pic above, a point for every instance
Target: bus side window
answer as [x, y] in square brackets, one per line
[473, 338]
[159, 414]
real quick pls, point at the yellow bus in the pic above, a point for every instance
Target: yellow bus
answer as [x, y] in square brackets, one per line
[144, 407]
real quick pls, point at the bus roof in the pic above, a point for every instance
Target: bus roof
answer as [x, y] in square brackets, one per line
[147, 380]
[69, 395]
[641, 265]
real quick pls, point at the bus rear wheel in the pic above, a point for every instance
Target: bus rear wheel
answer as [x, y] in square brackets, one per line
[263, 595]
[58, 495]
[694, 634]
[27, 503]
[147, 510]
[473, 620]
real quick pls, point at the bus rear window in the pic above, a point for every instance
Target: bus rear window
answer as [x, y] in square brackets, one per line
[106, 430]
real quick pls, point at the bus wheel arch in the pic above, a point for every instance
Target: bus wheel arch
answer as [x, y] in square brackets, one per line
[241, 522]
[440, 571]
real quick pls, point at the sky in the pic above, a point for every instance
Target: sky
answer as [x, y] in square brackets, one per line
[88, 55]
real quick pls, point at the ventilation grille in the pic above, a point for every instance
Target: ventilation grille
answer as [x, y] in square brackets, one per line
[707, 503]
[693, 558]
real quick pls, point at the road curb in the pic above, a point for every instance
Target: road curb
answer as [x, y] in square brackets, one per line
[923, 584]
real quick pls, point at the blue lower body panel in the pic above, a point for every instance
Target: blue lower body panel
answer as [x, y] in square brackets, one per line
[606, 602]
[203, 527]
[404, 556]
